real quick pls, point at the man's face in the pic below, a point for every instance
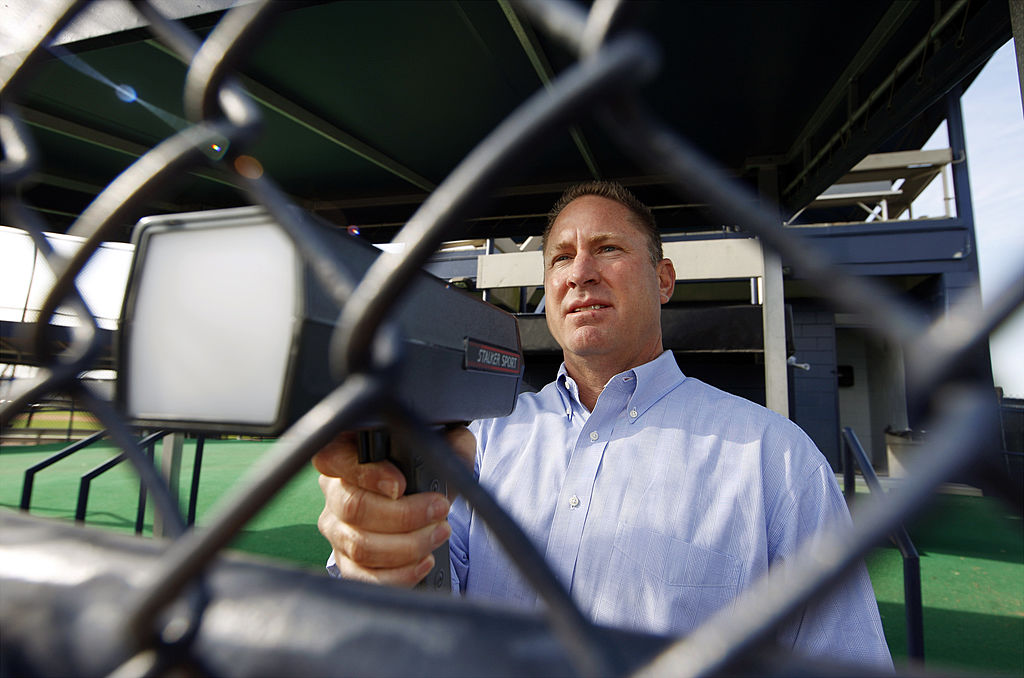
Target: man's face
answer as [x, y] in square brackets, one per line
[603, 294]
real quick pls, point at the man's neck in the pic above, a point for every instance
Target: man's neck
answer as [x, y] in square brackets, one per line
[589, 385]
[591, 376]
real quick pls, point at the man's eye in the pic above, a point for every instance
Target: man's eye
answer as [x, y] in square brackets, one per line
[560, 258]
[609, 248]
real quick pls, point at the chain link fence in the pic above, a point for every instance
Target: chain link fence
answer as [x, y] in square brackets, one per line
[130, 608]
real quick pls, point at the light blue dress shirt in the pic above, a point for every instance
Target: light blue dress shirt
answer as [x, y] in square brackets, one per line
[656, 508]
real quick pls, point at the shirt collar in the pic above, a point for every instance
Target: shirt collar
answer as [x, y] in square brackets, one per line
[649, 382]
[569, 393]
[653, 380]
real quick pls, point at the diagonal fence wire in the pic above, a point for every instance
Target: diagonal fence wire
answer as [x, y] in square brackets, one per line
[537, 115]
[612, 63]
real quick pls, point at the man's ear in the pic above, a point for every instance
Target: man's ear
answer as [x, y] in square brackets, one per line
[666, 279]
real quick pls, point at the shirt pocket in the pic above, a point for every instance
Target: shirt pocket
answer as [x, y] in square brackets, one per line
[678, 584]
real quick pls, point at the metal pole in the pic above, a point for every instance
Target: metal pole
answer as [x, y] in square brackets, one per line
[170, 463]
[911, 560]
[914, 605]
[849, 481]
[193, 497]
[30, 472]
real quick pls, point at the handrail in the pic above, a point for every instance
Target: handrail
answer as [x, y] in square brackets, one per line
[854, 452]
[193, 496]
[85, 483]
[30, 472]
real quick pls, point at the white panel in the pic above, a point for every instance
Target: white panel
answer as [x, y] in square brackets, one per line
[694, 260]
[24, 286]
[727, 259]
[213, 325]
[515, 269]
[16, 254]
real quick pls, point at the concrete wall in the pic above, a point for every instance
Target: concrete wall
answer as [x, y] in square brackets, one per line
[855, 401]
[876, 401]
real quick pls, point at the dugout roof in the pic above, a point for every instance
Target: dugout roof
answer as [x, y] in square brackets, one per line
[368, 106]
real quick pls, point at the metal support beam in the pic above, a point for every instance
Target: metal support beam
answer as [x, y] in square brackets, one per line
[961, 178]
[541, 66]
[105, 140]
[879, 39]
[300, 116]
[891, 105]
[913, 56]
[773, 301]
[87, 188]
[980, 359]
[333, 134]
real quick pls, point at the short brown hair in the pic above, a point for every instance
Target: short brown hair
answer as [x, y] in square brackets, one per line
[644, 219]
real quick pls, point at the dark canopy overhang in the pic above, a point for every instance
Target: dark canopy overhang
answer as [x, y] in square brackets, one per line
[368, 106]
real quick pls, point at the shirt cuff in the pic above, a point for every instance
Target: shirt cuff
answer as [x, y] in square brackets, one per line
[332, 566]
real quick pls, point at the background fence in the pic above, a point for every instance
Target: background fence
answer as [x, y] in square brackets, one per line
[143, 616]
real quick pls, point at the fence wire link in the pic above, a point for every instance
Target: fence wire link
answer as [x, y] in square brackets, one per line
[613, 61]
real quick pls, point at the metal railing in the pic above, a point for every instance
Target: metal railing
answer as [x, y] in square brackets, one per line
[30, 473]
[854, 454]
[85, 482]
[174, 608]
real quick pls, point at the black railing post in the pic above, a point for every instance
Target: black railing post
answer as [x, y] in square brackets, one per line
[71, 419]
[193, 497]
[854, 452]
[915, 606]
[140, 512]
[86, 482]
[31, 471]
[849, 479]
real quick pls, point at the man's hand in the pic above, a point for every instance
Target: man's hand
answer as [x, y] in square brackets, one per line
[379, 535]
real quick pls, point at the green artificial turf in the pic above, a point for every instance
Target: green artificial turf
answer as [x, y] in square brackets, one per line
[971, 553]
[284, 530]
[971, 548]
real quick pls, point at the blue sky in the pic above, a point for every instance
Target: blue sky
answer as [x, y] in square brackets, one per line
[994, 125]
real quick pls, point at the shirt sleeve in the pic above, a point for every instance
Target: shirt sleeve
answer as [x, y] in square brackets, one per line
[459, 518]
[458, 550]
[844, 624]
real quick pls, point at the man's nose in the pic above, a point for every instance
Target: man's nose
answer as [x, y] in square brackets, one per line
[584, 271]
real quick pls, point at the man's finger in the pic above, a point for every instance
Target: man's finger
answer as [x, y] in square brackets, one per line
[340, 459]
[402, 577]
[371, 511]
[380, 550]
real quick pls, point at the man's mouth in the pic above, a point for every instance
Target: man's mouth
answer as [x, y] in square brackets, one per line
[593, 307]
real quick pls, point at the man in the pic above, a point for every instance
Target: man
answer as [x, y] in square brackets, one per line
[654, 497]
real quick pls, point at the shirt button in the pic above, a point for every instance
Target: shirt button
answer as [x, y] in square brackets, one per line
[593, 435]
[633, 413]
[574, 501]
